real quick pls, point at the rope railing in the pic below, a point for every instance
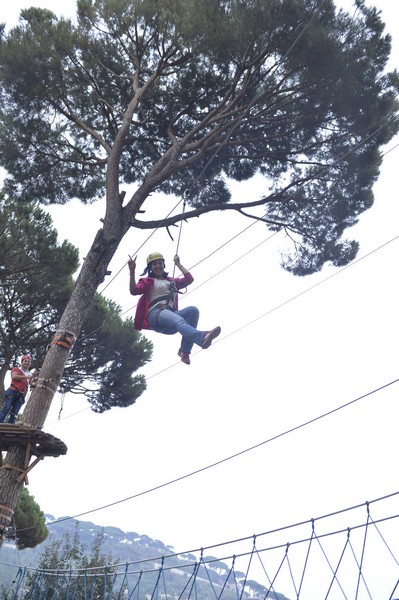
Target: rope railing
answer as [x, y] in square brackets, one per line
[321, 557]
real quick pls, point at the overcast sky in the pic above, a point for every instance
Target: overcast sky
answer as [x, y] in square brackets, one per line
[288, 353]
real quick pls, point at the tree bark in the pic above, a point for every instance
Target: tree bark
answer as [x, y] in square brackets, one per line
[10, 487]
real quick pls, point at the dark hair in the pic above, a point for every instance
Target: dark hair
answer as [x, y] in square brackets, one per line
[150, 273]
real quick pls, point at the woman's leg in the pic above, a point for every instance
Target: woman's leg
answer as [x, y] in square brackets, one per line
[185, 322]
[167, 321]
[191, 316]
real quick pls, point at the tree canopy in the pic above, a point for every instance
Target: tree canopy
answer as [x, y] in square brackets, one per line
[36, 283]
[185, 94]
[35, 277]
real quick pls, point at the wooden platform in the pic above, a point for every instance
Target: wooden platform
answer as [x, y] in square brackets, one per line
[35, 443]
[41, 443]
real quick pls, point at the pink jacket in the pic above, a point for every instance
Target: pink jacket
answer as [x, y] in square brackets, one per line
[143, 289]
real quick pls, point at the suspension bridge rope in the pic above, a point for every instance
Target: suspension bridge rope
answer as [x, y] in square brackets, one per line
[349, 554]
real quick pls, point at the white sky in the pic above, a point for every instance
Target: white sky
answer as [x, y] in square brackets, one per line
[275, 366]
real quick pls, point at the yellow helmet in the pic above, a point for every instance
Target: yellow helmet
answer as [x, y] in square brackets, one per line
[154, 256]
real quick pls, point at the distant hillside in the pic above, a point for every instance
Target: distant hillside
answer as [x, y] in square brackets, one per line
[124, 547]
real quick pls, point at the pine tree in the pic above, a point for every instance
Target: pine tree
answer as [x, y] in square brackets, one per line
[30, 523]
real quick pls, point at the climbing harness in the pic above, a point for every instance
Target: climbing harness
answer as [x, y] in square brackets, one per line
[164, 302]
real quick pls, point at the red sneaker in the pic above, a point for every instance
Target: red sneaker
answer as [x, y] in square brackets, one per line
[185, 357]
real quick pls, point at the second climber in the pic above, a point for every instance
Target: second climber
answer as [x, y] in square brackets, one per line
[158, 309]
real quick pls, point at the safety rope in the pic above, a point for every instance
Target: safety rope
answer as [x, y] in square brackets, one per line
[61, 405]
[180, 230]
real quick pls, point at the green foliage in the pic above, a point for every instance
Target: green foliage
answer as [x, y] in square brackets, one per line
[36, 282]
[114, 350]
[35, 277]
[30, 523]
[189, 93]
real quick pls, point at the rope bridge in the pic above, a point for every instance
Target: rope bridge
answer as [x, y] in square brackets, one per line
[319, 558]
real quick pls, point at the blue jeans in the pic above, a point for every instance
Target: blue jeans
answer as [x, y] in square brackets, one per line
[182, 321]
[13, 401]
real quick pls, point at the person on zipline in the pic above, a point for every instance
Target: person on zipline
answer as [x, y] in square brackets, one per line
[158, 309]
[14, 397]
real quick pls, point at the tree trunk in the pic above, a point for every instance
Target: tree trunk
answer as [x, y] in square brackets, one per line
[10, 487]
[3, 370]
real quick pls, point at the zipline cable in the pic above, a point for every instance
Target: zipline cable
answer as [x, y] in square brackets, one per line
[289, 300]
